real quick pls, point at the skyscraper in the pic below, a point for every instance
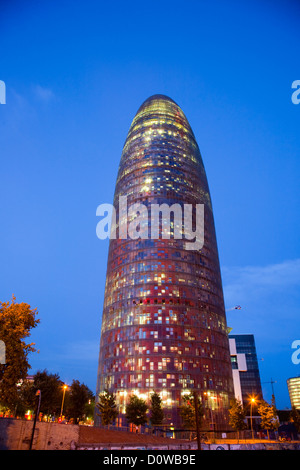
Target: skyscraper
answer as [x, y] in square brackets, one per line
[163, 323]
[246, 376]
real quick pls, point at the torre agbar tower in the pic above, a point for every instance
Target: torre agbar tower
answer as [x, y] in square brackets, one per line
[163, 325]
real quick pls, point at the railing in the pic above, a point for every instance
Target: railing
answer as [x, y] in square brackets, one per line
[207, 436]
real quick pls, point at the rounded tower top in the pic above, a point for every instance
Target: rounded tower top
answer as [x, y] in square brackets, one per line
[159, 96]
[160, 107]
[159, 99]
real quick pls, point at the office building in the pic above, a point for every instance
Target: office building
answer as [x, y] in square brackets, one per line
[245, 370]
[294, 391]
[163, 325]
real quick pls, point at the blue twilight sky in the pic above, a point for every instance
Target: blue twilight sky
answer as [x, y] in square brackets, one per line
[75, 74]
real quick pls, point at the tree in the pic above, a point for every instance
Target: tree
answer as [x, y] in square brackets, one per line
[136, 411]
[51, 392]
[157, 414]
[188, 412]
[26, 400]
[269, 418]
[107, 408]
[78, 399]
[295, 418]
[50, 386]
[237, 416]
[275, 421]
[16, 321]
[90, 409]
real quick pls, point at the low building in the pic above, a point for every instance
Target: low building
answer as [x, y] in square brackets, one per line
[294, 391]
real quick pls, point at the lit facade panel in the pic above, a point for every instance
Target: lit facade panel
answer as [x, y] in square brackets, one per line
[163, 323]
[294, 391]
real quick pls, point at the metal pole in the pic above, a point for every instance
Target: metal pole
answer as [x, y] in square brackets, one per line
[251, 420]
[38, 393]
[213, 423]
[63, 399]
[197, 419]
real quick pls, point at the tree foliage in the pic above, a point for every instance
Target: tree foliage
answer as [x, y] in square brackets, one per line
[50, 386]
[295, 418]
[268, 414]
[136, 411]
[188, 411]
[107, 408]
[79, 396]
[16, 322]
[237, 415]
[156, 411]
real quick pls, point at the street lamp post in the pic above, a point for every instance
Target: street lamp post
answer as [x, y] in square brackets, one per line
[37, 411]
[251, 405]
[195, 394]
[63, 399]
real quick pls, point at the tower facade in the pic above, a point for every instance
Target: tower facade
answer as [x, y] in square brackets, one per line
[163, 325]
[294, 391]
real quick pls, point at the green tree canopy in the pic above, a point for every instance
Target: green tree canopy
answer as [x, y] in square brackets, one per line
[16, 322]
[50, 386]
[268, 414]
[107, 408]
[136, 411]
[156, 411]
[78, 399]
[188, 412]
[237, 415]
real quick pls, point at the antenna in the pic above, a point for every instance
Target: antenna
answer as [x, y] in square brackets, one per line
[272, 382]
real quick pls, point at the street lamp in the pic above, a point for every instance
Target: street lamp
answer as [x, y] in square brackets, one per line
[195, 394]
[63, 399]
[252, 400]
[38, 394]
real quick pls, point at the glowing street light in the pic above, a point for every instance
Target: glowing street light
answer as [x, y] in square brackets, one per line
[252, 400]
[63, 399]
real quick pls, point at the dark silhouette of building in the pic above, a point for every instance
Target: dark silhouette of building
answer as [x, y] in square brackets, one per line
[164, 326]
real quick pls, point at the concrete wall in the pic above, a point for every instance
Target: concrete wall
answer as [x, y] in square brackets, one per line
[193, 446]
[16, 434]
